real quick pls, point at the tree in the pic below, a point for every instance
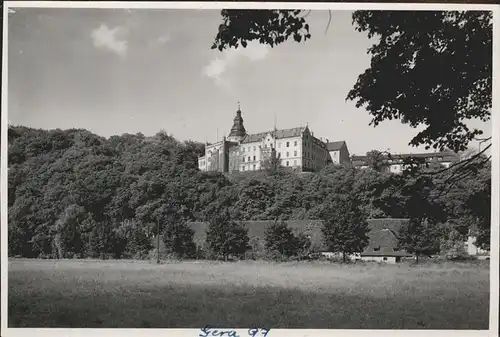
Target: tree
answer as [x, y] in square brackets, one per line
[225, 237]
[270, 27]
[272, 164]
[377, 161]
[479, 208]
[446, 46]
[453, 245]
[255, 197]
[428, 68]
[344, 226]
[132, 240]
[178, 239]
[419, 236]
[68, 233]
[280, 241]
[410, 196]
[367, 186]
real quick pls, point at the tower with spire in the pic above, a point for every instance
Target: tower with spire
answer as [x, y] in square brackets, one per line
[294, 148]
[238, 131]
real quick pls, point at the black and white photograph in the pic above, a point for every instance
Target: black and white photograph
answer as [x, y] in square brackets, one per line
[236, 169]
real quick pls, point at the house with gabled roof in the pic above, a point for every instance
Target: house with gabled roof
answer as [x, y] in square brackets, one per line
[382, 246]
[338, 152]
[383, 241]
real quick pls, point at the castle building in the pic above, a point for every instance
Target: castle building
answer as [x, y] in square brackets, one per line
[295, 148]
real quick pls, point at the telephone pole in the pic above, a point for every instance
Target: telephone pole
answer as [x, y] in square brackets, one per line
[157, 241]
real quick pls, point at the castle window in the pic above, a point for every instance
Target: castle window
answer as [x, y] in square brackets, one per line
[287, 163]
[254, 159]
[254, 167]
[295, 143]
[294, 163]
[249, 158]
[295, 153]
[287, 154]
[243, 159]
[254, 148]
[287, 144]
[243, 149]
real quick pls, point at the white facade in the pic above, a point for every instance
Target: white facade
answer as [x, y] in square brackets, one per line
[204, 163]
[335, 155]
[296, 148]
[382, 259]
[396, 163]
[251, 155]
[289, 150]
[472, 249]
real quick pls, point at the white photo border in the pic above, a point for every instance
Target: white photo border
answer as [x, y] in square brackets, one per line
[494, 262]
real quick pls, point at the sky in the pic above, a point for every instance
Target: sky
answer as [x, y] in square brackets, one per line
[115, 71]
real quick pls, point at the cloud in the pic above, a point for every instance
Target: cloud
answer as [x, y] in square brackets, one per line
[163, 39]
[230, 58]
[106, 38]
[160, 40]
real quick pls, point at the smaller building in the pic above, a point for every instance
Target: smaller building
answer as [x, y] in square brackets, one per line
[339, 154]
[473, 250]
[396, 162]
[383, 241]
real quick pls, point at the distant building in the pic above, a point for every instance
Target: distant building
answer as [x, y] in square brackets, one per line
[296, 148]
[473, 250]
[395, 164]
[338, 152]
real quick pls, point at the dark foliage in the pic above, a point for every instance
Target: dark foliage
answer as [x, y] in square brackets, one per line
[282, 243]
[73, 194]
[271, 27]
[225, 238]
[428, 68]
[178, 239]
[420, 236]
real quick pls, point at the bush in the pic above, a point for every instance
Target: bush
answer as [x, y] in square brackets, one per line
[226, 238]
[131, 240]
[453, 247]
[178, 240]
[281, 243]
[257, 249]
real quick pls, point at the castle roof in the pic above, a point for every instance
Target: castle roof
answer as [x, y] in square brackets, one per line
[278, 134]
[238, 130]
[335, 146]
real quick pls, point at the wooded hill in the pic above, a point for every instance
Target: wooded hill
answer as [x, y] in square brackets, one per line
[72, 193]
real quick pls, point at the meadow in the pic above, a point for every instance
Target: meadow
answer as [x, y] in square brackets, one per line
[134, 294]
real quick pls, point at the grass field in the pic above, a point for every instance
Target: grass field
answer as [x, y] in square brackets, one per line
[121, 294]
